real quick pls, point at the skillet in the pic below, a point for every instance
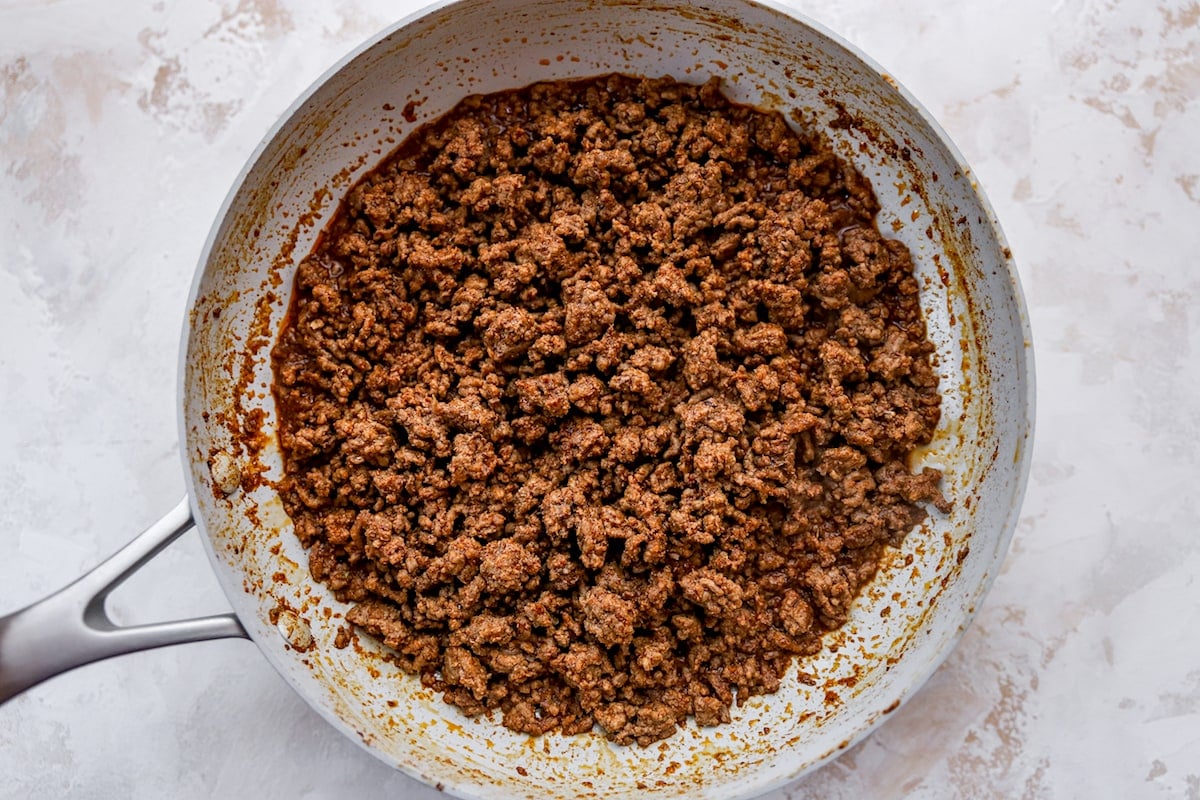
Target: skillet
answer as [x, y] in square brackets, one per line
[338, 130]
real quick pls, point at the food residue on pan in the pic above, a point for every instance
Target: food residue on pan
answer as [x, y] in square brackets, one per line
[226, 474]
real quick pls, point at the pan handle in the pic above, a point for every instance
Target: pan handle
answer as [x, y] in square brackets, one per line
[70, 628]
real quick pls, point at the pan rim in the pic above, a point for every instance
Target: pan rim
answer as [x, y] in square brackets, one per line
[747, 785]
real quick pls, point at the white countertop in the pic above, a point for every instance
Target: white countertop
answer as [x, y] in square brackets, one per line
[121, 129]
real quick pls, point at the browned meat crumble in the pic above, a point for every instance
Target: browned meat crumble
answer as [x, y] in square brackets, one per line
[596, 401]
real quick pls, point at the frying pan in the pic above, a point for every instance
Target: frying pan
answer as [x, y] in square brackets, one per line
[903, 626]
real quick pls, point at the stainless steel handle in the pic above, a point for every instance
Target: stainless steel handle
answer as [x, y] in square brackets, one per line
[70, 628]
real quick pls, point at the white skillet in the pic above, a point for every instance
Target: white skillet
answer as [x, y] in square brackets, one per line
[900, 630]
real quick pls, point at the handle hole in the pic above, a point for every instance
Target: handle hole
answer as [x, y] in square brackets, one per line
[178, 583]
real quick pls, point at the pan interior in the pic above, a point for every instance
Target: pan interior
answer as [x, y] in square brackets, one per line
[900, 629]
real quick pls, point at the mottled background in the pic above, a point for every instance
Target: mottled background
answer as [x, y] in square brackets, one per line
[122, 127]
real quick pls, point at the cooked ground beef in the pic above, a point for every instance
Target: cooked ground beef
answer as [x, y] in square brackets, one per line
[596, 401]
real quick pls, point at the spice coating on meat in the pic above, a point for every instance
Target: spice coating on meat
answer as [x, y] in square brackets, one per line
[596, 402]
